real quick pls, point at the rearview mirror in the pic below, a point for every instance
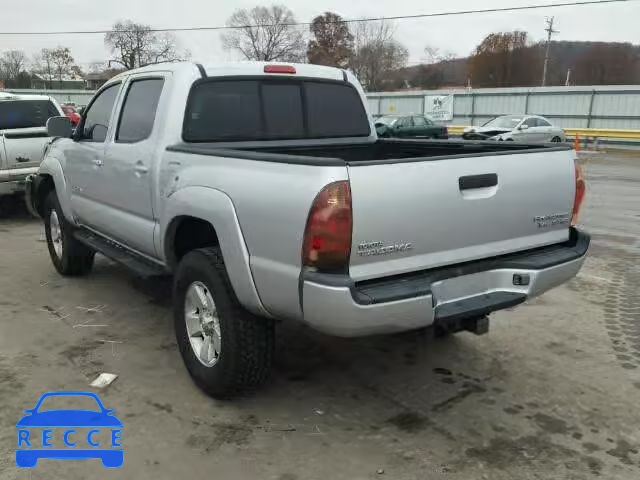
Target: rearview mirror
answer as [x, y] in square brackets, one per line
[59, 127]
[524, 126]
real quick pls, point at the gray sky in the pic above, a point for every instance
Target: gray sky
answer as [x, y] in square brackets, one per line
[458, 34]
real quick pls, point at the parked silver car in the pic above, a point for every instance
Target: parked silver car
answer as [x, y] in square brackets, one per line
[517, 128]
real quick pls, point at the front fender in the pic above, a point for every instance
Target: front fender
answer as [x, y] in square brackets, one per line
[52, 167]
[215, 207]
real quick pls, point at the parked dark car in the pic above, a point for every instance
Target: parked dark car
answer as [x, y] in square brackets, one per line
[409, 126]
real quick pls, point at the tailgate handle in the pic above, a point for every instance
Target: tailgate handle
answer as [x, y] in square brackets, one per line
[478, 181]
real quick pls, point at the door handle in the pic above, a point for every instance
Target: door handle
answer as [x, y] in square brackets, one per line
[478, 181]
[141, 168]
[97, 162]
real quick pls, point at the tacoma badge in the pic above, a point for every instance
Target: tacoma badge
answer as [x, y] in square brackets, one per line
[366, 249]
[544, 221]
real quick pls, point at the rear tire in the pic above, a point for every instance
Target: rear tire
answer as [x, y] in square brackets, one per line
[69, 256]
[239, 351]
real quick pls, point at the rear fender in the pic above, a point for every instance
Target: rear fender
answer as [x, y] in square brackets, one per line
[216, 208]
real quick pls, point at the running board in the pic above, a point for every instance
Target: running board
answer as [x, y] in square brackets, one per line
[134, 262]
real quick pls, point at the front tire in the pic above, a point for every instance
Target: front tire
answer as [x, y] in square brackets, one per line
[226, 349]
[556, 140]
[69, 256]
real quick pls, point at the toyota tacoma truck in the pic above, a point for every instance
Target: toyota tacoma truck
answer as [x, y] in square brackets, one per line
[23, 137]
[264, 192]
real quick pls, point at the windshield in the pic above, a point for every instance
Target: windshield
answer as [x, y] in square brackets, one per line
[388, 121]
[25, 113]
[506, 121]
[66, 402]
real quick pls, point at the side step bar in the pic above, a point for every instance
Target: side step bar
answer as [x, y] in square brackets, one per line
[134, 262]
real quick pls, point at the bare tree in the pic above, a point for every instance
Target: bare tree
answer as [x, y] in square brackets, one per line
[136, 45]
[377, 53]
[43, 66]
[62, 62]
[12, 64]
[436, 55]
[265, 33]
[503, 59]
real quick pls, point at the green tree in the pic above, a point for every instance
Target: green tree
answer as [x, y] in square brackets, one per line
[332, 42]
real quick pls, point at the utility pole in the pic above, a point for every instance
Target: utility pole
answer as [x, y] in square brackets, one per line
[566, 82]
[550, 31]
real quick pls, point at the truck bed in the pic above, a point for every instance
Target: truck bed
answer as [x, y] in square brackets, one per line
[380, 152]
[420, 204]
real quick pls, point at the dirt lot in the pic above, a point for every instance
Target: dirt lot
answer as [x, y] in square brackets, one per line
[551, 392]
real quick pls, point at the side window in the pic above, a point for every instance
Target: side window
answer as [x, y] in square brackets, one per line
[531, 122]
[96, 123]
[543, 123]
[405, 122]
[139, 110]
[419, 121]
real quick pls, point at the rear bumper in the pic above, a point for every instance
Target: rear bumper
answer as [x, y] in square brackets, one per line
[336, 305]
[12, 182]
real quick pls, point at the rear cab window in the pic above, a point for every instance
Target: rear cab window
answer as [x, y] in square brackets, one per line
[26, 113]
[273, 109]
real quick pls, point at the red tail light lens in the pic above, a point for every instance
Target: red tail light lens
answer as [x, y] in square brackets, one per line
[280, 69]
[327, 236]
[581, 189]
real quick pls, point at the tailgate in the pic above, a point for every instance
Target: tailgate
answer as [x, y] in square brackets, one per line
[416, 215]
[24, 147]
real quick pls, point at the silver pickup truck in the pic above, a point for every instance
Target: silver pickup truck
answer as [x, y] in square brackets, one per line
[23, 137]
[264, 191]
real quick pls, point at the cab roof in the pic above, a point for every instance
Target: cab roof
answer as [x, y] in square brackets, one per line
[246, 68]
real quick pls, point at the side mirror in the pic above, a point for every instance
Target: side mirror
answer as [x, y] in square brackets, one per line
[59, 127]
[524, 126]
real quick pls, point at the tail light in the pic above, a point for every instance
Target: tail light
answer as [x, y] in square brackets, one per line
[327, 237]
[581, 189]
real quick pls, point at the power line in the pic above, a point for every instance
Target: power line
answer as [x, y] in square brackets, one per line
[355, 20]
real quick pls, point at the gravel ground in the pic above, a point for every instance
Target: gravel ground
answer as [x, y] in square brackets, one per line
[551, 392]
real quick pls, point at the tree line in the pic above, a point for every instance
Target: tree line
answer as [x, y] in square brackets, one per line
[49, 66]
[369, 49]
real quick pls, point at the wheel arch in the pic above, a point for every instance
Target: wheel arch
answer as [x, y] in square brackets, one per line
[51, 177]
[199, 217]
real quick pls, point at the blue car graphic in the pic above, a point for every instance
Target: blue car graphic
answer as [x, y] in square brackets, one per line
[28, 457]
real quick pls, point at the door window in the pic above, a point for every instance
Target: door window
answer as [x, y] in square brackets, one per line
[98, 116]
[543, 123]
[405, 122]
[419, 121]
[531, 122]
[139, 110]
